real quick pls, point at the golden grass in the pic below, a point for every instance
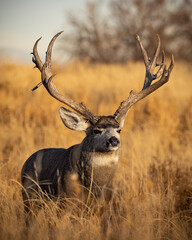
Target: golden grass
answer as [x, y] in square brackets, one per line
[153, 185]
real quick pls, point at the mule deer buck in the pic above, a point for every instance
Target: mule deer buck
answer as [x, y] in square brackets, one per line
[92, 163]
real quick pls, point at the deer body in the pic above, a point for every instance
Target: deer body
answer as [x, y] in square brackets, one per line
[91, 164]
[57, 168]
[88, 166]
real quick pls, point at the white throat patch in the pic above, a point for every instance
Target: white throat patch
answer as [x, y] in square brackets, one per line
[99, 160]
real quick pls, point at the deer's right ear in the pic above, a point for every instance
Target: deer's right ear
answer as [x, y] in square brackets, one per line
[73, 120]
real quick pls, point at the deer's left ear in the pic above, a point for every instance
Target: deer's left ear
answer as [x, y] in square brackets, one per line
[73, 121]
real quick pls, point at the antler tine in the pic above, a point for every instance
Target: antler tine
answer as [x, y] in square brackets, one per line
[156, 54]
[38, 63]
[36, 59]
[171, 65]
[143, 51]
[49, 49]
[164, 73]
[47, 76]
[162, 66]
[46, 70]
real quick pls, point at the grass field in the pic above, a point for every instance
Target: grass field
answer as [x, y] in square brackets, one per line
[153, 184]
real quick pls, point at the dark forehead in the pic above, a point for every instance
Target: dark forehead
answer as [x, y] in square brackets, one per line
[107, 121]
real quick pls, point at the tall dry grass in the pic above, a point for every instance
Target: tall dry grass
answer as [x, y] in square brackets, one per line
[153, 184]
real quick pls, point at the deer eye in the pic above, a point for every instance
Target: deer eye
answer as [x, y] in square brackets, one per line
[96, 131]
[119, 131]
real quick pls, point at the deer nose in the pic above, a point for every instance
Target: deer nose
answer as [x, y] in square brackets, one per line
[113, 141]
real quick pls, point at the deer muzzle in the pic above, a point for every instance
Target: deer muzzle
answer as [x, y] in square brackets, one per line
[113, 142]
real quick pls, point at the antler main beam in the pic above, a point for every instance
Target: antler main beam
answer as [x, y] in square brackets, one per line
[162, 72]
[47, 77]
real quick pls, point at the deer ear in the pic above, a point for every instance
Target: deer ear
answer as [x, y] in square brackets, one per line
[73, 120]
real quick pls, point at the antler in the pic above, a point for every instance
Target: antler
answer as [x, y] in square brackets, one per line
[162, 72]
[47, 77]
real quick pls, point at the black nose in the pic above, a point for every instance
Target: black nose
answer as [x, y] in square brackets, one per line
[113, 141]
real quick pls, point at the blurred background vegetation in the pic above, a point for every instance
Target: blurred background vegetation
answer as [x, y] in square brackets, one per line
[108, 36]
